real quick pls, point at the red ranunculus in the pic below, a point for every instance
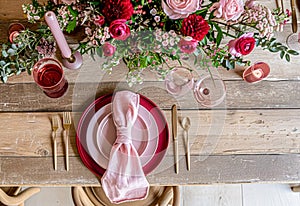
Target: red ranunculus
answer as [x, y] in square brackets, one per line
[187, 46]
[108, 49]
[195, 26]
[119, 29]
[117, 9]
[242, 46]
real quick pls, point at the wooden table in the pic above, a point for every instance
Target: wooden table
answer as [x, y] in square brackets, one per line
[254, 136]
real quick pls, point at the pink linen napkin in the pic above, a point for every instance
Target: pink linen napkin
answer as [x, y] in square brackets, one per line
[124, 179]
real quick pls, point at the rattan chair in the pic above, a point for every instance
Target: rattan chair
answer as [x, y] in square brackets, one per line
[14, 195]
[158, 196]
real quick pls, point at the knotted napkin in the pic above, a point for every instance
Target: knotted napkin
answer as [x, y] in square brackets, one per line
[124, 179]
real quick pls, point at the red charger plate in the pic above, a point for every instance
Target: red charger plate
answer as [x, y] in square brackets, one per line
[162, 126]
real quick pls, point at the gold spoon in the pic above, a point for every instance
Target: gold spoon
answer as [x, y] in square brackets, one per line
[186, 124]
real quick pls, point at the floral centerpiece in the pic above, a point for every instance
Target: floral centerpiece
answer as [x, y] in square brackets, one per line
[150, 33]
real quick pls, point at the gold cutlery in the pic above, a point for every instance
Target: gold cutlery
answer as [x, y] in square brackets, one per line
[174, 132]
[67, 124]
[54, 120]
[294, 16]
[186, 124]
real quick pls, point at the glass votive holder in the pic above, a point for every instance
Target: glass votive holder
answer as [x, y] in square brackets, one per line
[256, 72]
[210, 91]
[49, 76]
[179, 81]
[14, 30]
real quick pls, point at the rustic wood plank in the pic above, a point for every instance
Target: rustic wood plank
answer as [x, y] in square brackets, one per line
[211, 170]
[266, 94]
[212, 133]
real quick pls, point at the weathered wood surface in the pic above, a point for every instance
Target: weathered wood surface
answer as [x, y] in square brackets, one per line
[252, 137]
[212, 132]
[239, 95]
[207, 170]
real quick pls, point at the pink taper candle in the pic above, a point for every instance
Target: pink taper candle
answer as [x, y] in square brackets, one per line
[58, 35]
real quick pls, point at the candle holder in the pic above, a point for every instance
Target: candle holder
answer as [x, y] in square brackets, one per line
[256, 72]
[14, 30]
[49, 76]
[70, 60]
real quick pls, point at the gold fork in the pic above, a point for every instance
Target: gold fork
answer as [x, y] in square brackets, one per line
[54, 129]
[67, 124]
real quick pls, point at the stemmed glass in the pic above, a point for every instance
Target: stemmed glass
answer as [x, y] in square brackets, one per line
[256, 72]
[49, 76]
[179, 81]
[293, 41]
[210, 91]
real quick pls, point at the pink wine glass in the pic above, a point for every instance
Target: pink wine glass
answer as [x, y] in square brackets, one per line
[179, 81]
[49, 76]
[210, 91]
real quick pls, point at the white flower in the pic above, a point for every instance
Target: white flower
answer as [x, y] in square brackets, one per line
[153, 12]
[165, 36]
[157, 18]
[158, 38]
[165, 43]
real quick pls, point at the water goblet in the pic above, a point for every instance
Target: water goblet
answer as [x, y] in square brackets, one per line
[210, 91]
[49, 76]
[179, 81]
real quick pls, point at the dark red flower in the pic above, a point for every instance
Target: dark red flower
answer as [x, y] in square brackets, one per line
[194, 26]
[117, 9]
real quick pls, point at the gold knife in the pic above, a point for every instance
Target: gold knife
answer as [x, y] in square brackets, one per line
[294, 17]
[174, 132]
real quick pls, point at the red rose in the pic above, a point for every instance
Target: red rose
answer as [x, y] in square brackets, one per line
[187, 46]
[108, 49]
[242, 46]
[117, 9]
[195, 26]
[119, 29]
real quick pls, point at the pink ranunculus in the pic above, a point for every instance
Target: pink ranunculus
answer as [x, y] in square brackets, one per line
[119, 29]
[242, 45]
[187, 45]
[108, 49]
[180, 9]
[68, 2]
[228, 9]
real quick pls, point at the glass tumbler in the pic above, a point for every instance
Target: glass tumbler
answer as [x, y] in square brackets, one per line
[49, 76]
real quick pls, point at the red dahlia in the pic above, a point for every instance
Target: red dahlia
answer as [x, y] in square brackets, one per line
[194, 26]
[117, 9]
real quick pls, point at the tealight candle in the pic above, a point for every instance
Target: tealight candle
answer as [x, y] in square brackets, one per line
[256, 72]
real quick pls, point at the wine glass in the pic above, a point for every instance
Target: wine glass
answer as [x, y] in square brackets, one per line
[293, 41]
[49, 76]
[210, 91]
[179, 81]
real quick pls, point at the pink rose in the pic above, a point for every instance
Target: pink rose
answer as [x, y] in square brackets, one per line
[180, 9]
[228, 9]
[242, 46]
[119, 29]
[68, 2]
[187, 46]
[108, 49]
